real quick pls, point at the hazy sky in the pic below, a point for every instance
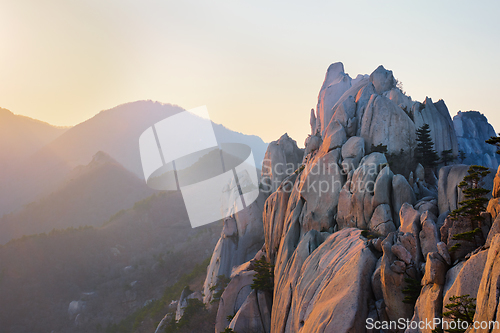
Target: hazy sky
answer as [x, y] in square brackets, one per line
[257, 65]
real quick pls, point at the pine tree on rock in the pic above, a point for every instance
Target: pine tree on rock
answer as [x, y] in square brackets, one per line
[447, 156]
[425, 152]
[462, 155]
[470, 210]
[495, 141]
[474, 202]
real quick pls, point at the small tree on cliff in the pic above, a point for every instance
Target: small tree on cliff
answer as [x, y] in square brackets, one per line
[264, 275]
[447, 156]
[425, 152]
[474, 202]
[462, 308]
[495, 141]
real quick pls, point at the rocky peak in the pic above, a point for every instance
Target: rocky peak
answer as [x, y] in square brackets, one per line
[336, 83]
[353, 229]
[473, 130]
[382, 79]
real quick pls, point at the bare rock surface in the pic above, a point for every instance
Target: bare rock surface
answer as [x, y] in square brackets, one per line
[336, 83]
[430, 300]
[241, 238]
[487, 296]
[472, 129]
[449, 194]
[282, 158]
[393, 273]
[274, 214]
[330, 292]
[467, 281]
[320, 185]
[355, 201]
[233, 298]
[402, 194]
[254, 315]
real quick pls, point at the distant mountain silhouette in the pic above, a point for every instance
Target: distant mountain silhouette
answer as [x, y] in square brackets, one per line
[116, 132]
[90, 195]
[22, 136]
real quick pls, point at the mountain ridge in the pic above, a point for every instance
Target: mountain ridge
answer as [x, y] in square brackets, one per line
[115, 131]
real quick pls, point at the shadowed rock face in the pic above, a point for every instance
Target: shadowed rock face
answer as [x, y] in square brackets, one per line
[473, 130]
[487, 295]
[241, 238]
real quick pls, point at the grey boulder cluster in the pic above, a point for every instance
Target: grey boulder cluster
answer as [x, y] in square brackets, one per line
[347, 228]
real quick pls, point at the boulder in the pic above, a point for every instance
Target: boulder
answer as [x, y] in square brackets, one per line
[242, 237]
[336, 83]
[494, 230]
[287, 275]
[429, 237]
[401, 253]
[472, 130]
[336, 134]
[233, 298]
[312, 143]
[183, 301]
[352, 152]
[254, 314]
[383, 188]
[420, 172]
[320, 185]
[274, 216]
[449, 194]
[435, 269]
[496, 185]
[282, 158]
[355, 200]
[494, 207]
[331, 292]
[381, 220]
[443, 252]
[400, 99]
[467, 281]
[383, 122]
[410, 220]
[437, 116]
[382, 80]
[429, 207]
[393, 281]
[312, 122]
[460, 225]
[401, 193]
[427, 307]
[430, 300]
[344, 110]
[376, 282]
[487, 308]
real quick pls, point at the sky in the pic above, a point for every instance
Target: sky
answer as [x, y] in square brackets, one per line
[257, 65]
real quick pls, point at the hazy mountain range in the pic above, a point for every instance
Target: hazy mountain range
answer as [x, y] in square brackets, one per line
[85, 242]
[89, 195]
[105, 273]
[41, 168]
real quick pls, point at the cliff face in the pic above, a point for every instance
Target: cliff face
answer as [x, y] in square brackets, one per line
[352, 228]
[473, 130]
